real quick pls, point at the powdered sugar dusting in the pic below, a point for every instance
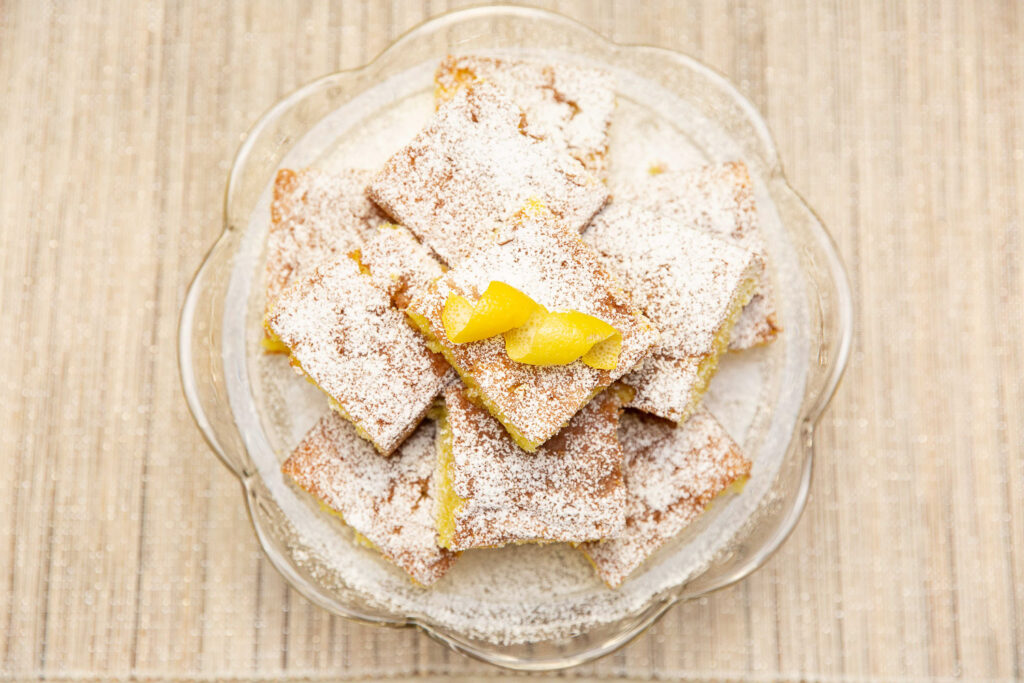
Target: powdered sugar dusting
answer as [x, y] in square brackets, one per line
[527, 593]
[686, 280]
[569, 490]
[671, 473]
[549, 263]
[665, 385]
[345, 334]
[717, 199]
[316, 216]
[683, 279]
[567, 104]
[399, 263]
[459, 183]
[389, 501]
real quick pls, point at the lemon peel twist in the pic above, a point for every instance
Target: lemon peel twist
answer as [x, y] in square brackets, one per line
[533, 335]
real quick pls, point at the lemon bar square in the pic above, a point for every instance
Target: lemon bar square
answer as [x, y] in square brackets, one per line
[718, 199]
[549, 263]
[345, 335]
[672, 474]
[491, 492]
[567, 104]
[458, 184]
[691, 284]
[399, 263]
[388, 501]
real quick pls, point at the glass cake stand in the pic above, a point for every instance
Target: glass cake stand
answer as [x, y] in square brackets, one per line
[527, 607]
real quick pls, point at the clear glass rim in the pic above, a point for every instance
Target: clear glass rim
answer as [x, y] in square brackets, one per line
[836, 367]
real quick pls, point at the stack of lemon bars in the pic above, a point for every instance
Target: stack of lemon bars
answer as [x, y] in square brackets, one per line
[510, 355]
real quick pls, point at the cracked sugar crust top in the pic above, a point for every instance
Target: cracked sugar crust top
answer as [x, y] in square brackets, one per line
[567, 104]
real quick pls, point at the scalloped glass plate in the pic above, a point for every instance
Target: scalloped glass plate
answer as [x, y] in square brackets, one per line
[540, 606]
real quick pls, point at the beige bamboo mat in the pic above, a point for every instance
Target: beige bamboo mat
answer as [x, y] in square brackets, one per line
[124, 547]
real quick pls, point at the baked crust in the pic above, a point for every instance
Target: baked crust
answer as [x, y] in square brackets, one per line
[315, 217]
[399, 263]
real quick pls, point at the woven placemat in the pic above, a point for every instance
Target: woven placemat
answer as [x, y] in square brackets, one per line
[124, 548]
